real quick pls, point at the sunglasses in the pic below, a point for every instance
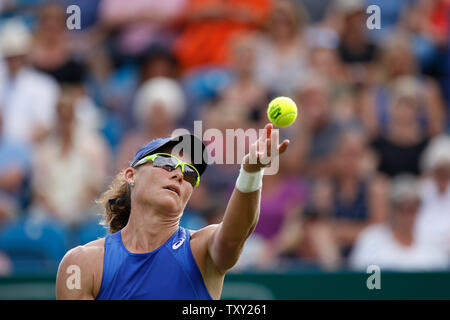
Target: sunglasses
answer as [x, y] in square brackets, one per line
[169, 163]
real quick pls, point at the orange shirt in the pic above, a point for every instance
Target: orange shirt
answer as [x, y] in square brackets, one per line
[206, 40]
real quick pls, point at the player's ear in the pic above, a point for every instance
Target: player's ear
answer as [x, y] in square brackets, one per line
[129, 175]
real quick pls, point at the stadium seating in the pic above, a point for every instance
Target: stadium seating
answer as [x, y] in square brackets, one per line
[34, 246]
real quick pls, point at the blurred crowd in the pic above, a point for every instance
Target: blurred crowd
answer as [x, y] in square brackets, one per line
[366, 179]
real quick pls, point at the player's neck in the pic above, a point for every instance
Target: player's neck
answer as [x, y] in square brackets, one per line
[147, 232]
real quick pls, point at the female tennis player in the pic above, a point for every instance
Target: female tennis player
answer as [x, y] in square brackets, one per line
[147, 254]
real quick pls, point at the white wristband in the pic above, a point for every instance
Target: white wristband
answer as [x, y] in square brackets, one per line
[249, 181]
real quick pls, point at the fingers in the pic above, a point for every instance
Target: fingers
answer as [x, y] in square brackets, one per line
[262, 141]
[262, 149]
[272, 142]
[268, 130]
[283, 146]
[253, 153]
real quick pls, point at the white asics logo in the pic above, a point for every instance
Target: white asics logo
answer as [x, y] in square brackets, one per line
[177, 244]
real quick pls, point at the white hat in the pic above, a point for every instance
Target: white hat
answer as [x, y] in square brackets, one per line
[404, 187]
[437, 153]
[15, 39]
[160, 91]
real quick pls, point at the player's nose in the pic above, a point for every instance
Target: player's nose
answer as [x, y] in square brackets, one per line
[177, 174]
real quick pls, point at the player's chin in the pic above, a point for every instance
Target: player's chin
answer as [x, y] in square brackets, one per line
[171, 202]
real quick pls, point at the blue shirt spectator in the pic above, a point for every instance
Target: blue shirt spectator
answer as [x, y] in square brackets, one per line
[15, 170]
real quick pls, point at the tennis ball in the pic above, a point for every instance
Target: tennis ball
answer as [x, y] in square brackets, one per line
[282, 111]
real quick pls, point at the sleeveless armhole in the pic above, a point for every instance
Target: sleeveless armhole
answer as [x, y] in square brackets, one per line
[186, 260]
[106, 272]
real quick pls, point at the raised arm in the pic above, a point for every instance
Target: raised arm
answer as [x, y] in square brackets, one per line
[242, 212]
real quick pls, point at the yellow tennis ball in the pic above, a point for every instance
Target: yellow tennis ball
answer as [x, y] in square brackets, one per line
[282, 111]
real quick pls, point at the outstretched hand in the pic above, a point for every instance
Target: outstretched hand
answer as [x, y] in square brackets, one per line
[263, 150]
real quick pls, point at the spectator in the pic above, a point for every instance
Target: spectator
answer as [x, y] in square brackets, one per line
[15, 171]
[359, 196]
[280, 204]
[112, 91]
[354, 46]
[70, 167]
[433, 221]
[326, 62]
[28, 97]
[428, 24]
[392, 245]
[282, 197]
[208, 25]
[219, 116]
[279, 231]
[51, 51]
[281, 55]
[159, 105]
[158, 62]
[306, 238]
[390, 18]
[133, 26]
[342, 203]
[400, 148]
[244, 87]
[316, 130]
[398, 62]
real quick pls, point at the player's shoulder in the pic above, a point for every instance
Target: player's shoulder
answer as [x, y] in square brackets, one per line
[204, 232]
[90, 253]
[201, 237]
[85, 262]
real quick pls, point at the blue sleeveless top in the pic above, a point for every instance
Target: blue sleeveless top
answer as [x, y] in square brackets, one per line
[166, 273]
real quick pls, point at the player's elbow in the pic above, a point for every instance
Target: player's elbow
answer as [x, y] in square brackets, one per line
[225, 255]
